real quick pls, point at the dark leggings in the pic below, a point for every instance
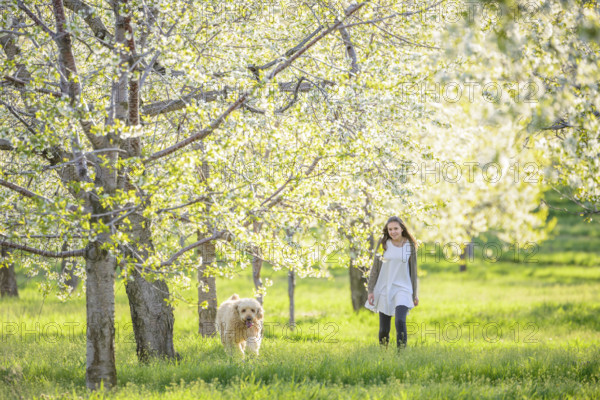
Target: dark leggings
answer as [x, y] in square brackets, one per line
[384, 327]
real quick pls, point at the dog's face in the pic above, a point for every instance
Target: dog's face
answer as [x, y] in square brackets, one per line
[249, 311]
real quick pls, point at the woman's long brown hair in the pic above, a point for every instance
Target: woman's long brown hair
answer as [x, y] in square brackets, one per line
[405, 233]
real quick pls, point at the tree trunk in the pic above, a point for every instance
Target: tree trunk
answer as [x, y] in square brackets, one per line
[67, 269]
[100, 302]
[358, 289]
[257, 264]
[207, 292]
[467, 254]
[8, 281]
[151, 315]
[291, 287]
[207, 285]
[8, 278]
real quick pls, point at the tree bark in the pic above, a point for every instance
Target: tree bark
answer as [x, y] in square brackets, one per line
[291, 288]
[467, 254]
[358, 289]
[100, 303]
[207, 292]
[358, 292]
[8, 278]
[151, 315]
[257, 264]
[207, 285]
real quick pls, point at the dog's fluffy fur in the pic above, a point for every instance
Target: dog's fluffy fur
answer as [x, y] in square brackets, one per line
[239, 322]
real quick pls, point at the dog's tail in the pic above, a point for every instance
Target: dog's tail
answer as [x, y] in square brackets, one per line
[234, 297]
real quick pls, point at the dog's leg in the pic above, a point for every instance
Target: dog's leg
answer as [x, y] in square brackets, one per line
[254, 344]
[254, 339]
[240, 349]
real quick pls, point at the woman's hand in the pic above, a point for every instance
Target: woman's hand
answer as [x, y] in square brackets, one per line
[416, 301]
[371, 298]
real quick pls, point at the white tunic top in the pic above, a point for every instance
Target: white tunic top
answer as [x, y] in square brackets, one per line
[393, 287]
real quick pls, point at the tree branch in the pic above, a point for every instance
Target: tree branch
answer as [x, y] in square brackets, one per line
[200, 135]
[166, 106]
[245, 96]
[402, 14]
[5, 145]
[51, 254]
[11, 80]
[134, 84]
[24, 192]
[18, 117]
[189, 203]
[36, 19]
[349, 11]
[350, 51]
[280, 110]
[559, 124]
[66, 58]
[88, 13]
[217, 235]
[256, 70]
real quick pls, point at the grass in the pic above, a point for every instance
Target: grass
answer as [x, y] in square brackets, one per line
[501, 330]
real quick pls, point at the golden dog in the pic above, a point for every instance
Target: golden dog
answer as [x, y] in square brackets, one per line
[239, 322]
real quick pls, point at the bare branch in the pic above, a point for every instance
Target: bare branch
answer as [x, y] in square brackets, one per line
[166, 106]
[280, 110]
[349, 11]
[308, 172]
[21, 190]
[189, 203]
[306, 86]
[350, 51]
[6, 145]
[216, 236]
[256, 70]
[55, 236]
[51, 254]
[148, 68]
[18, 117]
[402, 14]
[35, 19]
[291, 103]
[67, 64]
[559, 124]
[403, 39]
[586, 209]
[11, 80]
[200, 135]
[88, 13]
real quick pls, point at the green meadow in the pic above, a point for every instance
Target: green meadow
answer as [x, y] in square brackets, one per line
[500, 330]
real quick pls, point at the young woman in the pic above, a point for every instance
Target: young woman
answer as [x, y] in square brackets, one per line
[393, 283]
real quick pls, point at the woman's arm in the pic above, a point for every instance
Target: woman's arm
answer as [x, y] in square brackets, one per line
[413, 274]
[374, 274]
